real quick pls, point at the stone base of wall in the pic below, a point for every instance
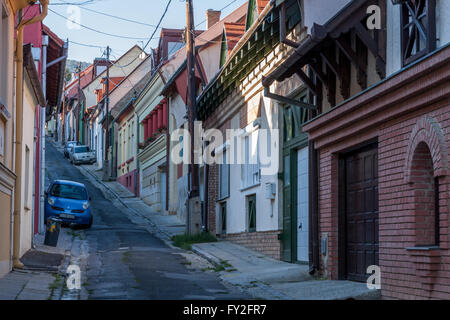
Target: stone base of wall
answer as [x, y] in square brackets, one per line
[265, 242]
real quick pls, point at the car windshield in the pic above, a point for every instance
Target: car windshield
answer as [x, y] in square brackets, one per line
[81, 149]
[69, 192]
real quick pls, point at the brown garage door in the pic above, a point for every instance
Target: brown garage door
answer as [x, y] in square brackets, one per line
[360, 212]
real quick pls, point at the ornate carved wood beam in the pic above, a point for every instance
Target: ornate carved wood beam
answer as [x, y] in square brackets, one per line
[372, 45]
[347, 50]
[330, 62]
[307, 81]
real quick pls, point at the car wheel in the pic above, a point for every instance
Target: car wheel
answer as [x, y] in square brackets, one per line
[88, 226]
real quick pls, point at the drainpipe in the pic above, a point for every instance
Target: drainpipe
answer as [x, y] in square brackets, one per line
[19, 129]
[42, 133]
[138, 164]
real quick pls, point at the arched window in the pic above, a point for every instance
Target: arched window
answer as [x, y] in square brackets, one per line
[426, 197]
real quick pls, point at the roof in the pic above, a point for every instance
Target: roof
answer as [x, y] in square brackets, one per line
[206, 38]
[30, 67]
[336, 25]
[261, 4]
[55, 74]
[85, 79]
[233, 33]
[263, 34]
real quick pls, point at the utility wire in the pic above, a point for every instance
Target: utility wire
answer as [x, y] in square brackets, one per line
[106, 14]
[153, 34]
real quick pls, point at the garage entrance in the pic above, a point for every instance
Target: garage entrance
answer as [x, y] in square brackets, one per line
[358, 219]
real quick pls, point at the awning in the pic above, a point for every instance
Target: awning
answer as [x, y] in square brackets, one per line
[347, 18]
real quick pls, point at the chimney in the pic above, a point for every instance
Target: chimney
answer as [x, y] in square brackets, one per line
[212, 17]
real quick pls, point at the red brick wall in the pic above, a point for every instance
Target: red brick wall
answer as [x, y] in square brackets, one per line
[264, 242]
[410, 274]
[403, 113]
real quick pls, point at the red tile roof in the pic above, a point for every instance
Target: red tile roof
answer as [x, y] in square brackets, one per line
[261, 5]
[233, 33]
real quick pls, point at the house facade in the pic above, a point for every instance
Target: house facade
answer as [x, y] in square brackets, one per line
[125, 124]
[18, 127]
[378, 144]
[244, 199]
[7, 176]
[94, 94]
[208, 47]
[152, 112]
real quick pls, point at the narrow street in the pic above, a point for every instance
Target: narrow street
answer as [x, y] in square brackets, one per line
[124, 260]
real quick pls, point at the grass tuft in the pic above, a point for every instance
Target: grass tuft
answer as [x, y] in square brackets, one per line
[186, 241]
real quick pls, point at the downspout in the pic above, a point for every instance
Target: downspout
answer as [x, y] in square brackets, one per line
[138, 164]
[19, 130]
[111, 143]
[42, 139]
[205, 191]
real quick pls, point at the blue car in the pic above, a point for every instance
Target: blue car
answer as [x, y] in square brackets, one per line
[70, 202]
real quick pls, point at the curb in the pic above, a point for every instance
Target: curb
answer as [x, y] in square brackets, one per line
[214, 260]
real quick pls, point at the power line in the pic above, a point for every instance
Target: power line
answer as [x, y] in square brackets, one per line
[153, 34]
[95, 30]
[107, 15]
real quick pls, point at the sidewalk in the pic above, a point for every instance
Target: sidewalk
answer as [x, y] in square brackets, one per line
[268, 278]
[42, 276]
[255, 273]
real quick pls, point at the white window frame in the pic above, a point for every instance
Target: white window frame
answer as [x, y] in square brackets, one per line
[250, 173]
[224, 168]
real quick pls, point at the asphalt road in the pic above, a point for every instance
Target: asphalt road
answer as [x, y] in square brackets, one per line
[125, 260]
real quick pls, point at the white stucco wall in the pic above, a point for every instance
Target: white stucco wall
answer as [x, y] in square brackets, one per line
[320, 11]
[26, 206]
[123, 67]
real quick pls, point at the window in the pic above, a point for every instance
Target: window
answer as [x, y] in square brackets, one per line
[2, 138]
[251, 213]
[418, 23]
[27, 178]
[129, 143]
[251, 168]
[426, 197]
[223, 217]
[224, 177]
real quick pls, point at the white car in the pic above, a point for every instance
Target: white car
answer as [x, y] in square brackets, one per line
[82, 154]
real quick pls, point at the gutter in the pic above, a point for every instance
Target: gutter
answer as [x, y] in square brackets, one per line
[19, 130]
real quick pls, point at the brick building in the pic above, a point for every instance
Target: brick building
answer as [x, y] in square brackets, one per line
[243, 203]
[379, 145]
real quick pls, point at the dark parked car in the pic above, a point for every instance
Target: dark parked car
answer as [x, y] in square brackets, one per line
[68, 147]
[70, 202]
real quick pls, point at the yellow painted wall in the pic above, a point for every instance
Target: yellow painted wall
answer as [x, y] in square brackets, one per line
[29, 107]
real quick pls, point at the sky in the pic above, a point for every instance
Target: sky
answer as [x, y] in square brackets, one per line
[147, 12]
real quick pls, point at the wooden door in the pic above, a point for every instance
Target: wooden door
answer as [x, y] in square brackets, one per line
[360, 214]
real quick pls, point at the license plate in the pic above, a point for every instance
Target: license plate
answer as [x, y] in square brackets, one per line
[67, 216]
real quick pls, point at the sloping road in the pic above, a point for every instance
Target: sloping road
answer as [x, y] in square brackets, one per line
[124, 260]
